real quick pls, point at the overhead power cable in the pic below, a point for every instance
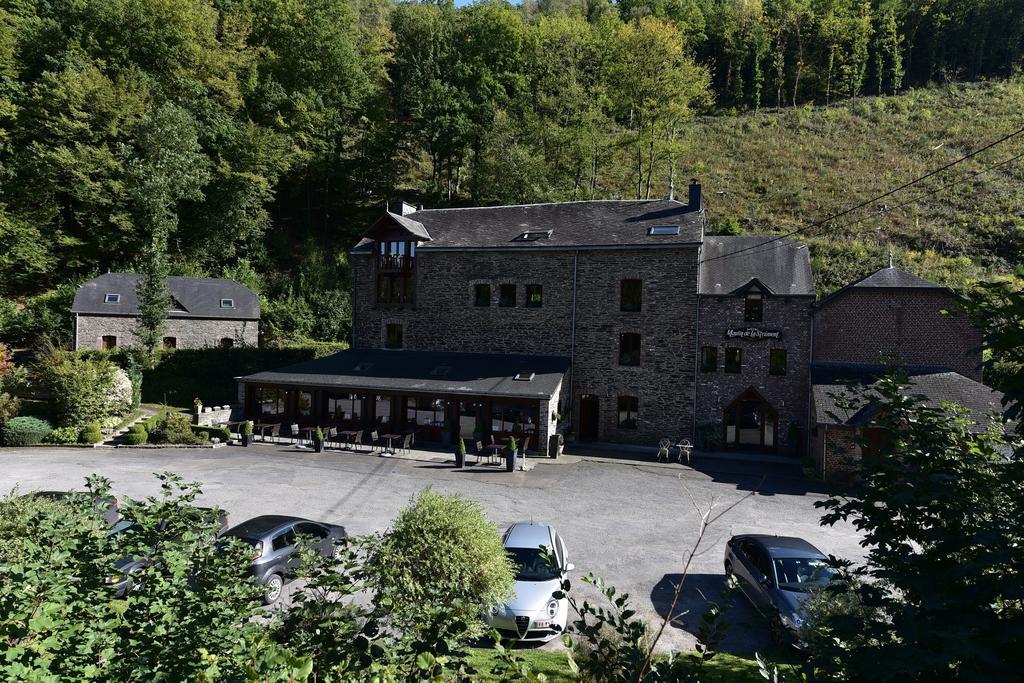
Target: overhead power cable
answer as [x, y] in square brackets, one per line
[891, 192]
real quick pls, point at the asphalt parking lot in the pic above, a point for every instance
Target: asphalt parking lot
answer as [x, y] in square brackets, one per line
[628, 522]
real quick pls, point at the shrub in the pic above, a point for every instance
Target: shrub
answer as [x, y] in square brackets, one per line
[90, 434]
[24, 431]
[174, 428]
[247, 428]
[81, 389]
[9, 407]
[441, 552]
[137, 435]
[62, 436]
[222, 433]
[120, 394]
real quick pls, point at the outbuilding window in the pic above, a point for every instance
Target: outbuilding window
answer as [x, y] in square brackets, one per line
[227, 303]
[631, 295]
[628, 408]
[111, 298]
[393, 336]
[227, 343]
[507, 296]
[753, 307]
[482, 295]
[777, 362]
[534, 296]
[629, 348]
[709, 359]
[733, 360]
[108, 341]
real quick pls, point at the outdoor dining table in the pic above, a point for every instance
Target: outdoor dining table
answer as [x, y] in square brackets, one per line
[494, 450]
[306, 433]
[390, 438]
[350, 436]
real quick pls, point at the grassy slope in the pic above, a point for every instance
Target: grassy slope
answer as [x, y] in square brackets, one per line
[782, 170]
[724, 667]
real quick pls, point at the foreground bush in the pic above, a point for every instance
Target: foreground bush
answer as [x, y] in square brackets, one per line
[441, 552]
[24, 431]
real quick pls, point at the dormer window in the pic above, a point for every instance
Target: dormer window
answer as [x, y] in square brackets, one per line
[227, 303]
[753, 307]
[111, 298]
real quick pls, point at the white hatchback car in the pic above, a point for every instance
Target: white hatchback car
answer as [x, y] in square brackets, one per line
[534, 614]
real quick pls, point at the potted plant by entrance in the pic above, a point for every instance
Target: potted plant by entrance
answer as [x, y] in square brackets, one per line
[460, 454]
[318, 440]
[246, 433]
[513, 455]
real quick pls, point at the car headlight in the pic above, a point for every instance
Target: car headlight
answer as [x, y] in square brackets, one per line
[552, 608]
[114, 578]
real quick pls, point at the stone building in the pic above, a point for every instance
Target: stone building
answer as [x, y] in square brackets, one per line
[756, 298]
[886, 321]
[205, 312]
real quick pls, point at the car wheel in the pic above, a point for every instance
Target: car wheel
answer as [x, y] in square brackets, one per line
[777, 630]
[274, 587]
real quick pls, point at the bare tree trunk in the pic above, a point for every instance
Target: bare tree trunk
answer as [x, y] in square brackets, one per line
[650, 161]
[799, 62]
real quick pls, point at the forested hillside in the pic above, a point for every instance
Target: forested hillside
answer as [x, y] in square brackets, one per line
[259, 135]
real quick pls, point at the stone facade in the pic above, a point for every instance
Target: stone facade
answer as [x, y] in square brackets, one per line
[444, 317]
[836, 452]
[786, 394]
[190, 333]
[900, 326]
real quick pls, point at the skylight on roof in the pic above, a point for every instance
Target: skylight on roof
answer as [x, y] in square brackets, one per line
[524, 377]
[227, 303]
[534, 235]
[663, 230]
[111, 298]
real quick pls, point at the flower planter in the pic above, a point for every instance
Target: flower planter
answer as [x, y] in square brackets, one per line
[246, 439]
[460, 460]
[318, 445]
[511, 460]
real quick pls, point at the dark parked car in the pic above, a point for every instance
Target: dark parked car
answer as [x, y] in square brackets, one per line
[273, 539]
[776, 574]
[121, 580]
[106, 505]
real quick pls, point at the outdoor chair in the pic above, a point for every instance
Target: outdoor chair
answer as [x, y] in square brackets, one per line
[331, 436]
[525, 446]
[663, 447]
[479, 451]
[685, 448]
[275, 431]
[406, 443]
[357, 440]
[294, 434]
[375, 440]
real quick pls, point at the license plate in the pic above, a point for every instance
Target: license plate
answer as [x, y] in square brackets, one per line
[542, 623]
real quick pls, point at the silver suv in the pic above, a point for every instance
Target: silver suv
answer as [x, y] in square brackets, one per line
[534, 614]
[273, 539]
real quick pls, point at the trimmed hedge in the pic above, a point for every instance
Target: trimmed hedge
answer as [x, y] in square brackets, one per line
[62, 436]
[24, 431]
[181, 375]
[90, 434]
[137, 435]
[222, 433]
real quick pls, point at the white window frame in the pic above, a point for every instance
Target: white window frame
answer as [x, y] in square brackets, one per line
[111, 298]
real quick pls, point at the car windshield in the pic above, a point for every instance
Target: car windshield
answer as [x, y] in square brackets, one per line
[801, 574]
[531, 564]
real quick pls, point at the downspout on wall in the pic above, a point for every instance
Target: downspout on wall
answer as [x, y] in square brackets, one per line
[572, 346]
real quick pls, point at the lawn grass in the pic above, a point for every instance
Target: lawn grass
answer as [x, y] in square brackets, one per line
[725, 668]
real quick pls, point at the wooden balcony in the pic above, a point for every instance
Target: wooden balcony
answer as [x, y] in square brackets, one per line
[395, 263]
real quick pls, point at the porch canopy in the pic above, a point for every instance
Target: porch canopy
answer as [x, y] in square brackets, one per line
[437, 396]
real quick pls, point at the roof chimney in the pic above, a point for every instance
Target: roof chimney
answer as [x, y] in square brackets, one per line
[696, 201]
[401, 208]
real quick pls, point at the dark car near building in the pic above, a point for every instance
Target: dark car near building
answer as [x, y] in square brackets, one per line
[777, 573]
[274, 539]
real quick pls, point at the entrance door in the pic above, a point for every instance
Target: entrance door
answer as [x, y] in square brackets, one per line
[590, 410]
[750, 422]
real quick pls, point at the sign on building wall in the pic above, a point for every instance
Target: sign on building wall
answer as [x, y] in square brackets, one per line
[752, 333]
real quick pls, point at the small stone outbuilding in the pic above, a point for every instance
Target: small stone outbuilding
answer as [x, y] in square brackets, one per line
[205, 312]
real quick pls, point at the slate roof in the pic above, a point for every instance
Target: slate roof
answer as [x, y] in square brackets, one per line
[415, 228]
[471, 374]
[934, 383]
[783, 267]
[889, 277]
[199, 297]
[586, 224]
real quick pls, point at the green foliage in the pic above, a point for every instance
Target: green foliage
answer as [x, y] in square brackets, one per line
[137, 435]
[43, 319]
[90, 434]
[82, 388]
[174, 428]
[440, 553]
[222, 433]
[940, 510]
[247, 428]
[62, 436]
[460, 447]
[24, 431]
[998, 310]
